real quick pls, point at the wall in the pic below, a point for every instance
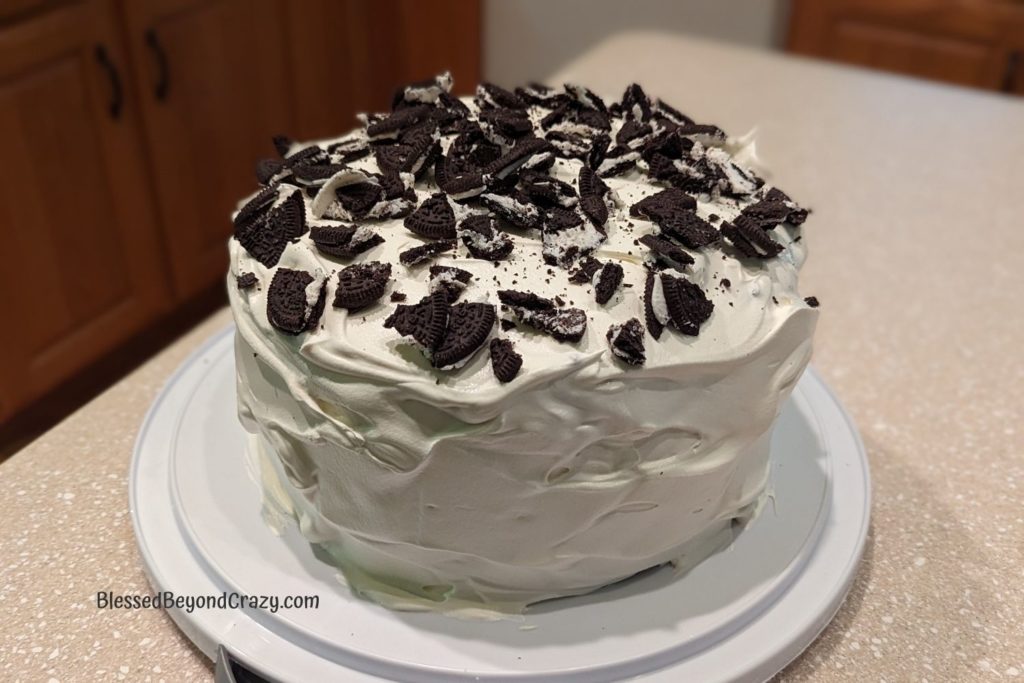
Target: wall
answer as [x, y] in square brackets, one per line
[529, 39]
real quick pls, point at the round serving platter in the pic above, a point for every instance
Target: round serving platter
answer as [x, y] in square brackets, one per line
[740, 615]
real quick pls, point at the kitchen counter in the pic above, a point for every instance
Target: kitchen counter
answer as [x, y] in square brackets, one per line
[916, 243]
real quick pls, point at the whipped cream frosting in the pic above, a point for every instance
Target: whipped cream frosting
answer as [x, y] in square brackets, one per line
[453, 491]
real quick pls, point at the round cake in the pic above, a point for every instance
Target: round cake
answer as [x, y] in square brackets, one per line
[515, 347]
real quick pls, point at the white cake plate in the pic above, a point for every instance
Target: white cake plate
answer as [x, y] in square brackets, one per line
[741, 615]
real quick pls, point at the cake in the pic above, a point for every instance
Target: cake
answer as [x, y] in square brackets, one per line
[501, 349]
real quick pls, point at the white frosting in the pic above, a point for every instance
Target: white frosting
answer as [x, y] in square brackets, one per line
[453, 491]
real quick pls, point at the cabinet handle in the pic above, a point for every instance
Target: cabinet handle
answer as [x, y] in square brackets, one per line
[116, 96]
[1010, 76]
[163, 74]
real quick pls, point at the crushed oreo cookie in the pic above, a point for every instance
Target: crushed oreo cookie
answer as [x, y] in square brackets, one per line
[513, 207]
[748, 237]
[654, 323]
[469, 327]
[505, 360]
[665, 253]
[483, 239]
[290, 306]
[607, 281]
[585, 270]
[343, 241]
[449, 280]
[593, 191]
[812, 301]
[688, 306]
[662, 205]
[689, 229]
[361, 284]
[627, 341]
[425, 321]
[434, 219]
[246, 280]
[425, 252]
[526, 300]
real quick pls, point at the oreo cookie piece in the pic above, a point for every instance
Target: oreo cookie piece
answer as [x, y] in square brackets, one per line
[282, 143]
[246, 280]
[689, 229]
[505, 360]
[635, 105]
[459, 184]
[627, 341]
[514, 207]
[547, 191]
[585, 97]
[348, 150]
[562, 324]
[270, 170]
[490, 96]
[558, 219]
[592, 194]
[563, 246]
[598, 149]
[748, 237]
[291, 307]
[568, 145]
[525, 300]
[427, 91]
[654, 324]
[359, 198]
[395, 123]
[688, 306]
[541, 95]
[255, 208]
[469, 327]
[812, 301]
[508, 123]
[517, 156]
[425, 252]
[586, 268]
[664, 204]
[483, 239]
[434, 219]
[767, 214]
[797, 215]
[449, 280]
[633, 132]
[361, 284]
[265, 236]
[666, 253]
[290, 215]
[607, 281]
[619, 160]
[343, 241]
[666, 111]
[425, 321]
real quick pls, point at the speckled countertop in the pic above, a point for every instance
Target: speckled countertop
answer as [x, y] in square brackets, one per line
[916, 242]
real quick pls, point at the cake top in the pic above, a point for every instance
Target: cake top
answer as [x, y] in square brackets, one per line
[477, 242]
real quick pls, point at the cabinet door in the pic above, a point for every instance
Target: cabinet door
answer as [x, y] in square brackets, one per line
[212, 77]
[350, 55]
[963, 43]
[81, 264]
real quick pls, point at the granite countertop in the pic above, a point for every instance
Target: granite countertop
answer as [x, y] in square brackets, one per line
[915, 241]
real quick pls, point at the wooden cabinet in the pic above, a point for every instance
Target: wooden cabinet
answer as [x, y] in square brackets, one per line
[975, 43]
[81, 268]
[212, 78]
[350, 55]
[130, 130]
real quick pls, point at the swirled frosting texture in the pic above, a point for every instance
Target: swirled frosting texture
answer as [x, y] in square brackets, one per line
[452, 490]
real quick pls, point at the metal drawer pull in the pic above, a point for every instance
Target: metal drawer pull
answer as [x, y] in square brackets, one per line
[163, 74]
[116, 95]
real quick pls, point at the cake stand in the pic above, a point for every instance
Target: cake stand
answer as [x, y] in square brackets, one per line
[741, 615]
